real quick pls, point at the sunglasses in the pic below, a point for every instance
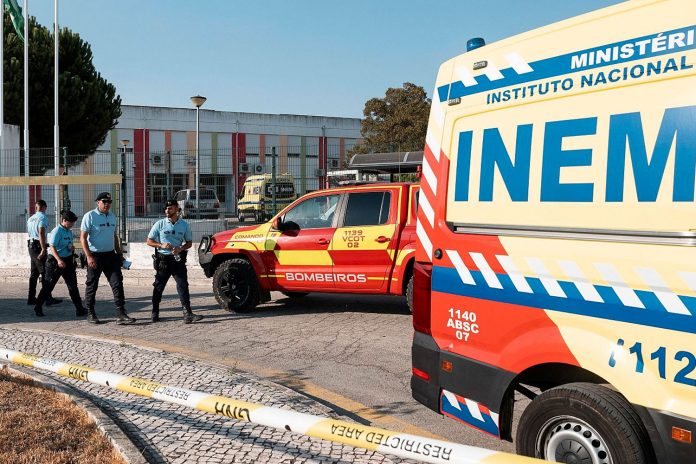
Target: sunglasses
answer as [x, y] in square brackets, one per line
[108, 202]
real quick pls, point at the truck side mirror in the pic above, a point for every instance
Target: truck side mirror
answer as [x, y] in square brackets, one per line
[284, 226]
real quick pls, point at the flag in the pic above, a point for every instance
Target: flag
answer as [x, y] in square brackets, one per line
[16, 16]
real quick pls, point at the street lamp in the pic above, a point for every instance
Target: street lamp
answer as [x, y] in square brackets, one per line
[123, 211]
[197, 101]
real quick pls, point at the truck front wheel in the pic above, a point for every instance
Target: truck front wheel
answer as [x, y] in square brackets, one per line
[582, 422]
[235, 286]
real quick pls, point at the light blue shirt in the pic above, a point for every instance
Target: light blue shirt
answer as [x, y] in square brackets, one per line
[61, 239]
[34, 222]
[100, 228]
[175, 234]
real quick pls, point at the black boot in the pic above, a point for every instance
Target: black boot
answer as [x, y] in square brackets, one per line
[189, 317]
[155, 312]
[53, 301]
[122, 317]
[81, 311]
[38, 310]
[92, 316]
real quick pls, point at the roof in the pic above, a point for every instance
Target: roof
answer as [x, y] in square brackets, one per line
[400, 161]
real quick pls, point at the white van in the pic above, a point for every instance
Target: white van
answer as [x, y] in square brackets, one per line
[209, 206]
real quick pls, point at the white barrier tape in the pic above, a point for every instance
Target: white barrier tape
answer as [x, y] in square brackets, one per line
[356, 435]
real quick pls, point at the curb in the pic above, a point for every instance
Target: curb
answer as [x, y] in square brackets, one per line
[108, 427]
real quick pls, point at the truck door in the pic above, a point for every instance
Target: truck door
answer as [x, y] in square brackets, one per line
[363, 246]
[298, 258]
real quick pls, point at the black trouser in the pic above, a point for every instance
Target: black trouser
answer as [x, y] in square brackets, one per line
[110, 264]
[38, 267]
[53, 273]
[169, 267]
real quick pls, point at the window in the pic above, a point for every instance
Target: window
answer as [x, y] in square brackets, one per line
[314, 213]
[207, 194]
[367, 209]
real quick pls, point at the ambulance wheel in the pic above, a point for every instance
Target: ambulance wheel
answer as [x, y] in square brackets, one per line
[582, 422]
[235, 286]
[295, 294]
[409, 294]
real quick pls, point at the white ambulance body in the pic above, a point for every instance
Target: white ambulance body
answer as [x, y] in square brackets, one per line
[557, 238]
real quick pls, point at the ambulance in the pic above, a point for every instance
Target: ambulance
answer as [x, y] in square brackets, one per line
[256, 198]
[556, 238]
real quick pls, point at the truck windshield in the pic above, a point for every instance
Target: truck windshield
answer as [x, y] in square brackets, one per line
[205, 195]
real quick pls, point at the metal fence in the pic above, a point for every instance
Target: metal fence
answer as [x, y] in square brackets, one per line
[152, 177]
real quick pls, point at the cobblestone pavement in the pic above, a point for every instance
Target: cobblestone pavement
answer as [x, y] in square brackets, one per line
[169, 433]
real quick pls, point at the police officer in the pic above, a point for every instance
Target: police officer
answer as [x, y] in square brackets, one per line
[171, 238]
[61, 263]
[103, 249]
[36, 228]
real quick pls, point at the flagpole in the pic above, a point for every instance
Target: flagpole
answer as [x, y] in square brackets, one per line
[2, 100]
[56, 126]
[26, 98]
[2, 84]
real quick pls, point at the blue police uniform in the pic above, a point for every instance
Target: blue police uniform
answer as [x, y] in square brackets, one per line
[167, 265]
[38, 219]
[61, 240]
[101, 228]
[176, 234]
[38, 266]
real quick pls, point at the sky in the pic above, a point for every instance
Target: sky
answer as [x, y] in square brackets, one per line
[313, 57]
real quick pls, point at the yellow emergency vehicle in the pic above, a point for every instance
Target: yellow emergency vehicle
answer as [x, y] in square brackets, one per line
[556, 252]
[256, 198]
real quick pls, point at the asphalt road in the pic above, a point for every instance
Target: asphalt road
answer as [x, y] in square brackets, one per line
[351, 352]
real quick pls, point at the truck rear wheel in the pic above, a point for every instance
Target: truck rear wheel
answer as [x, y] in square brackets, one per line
[235, 286]
[582, 422]
[409, 294]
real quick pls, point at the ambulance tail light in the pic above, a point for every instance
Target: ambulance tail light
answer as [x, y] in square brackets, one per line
[422, 283]
[420, 374]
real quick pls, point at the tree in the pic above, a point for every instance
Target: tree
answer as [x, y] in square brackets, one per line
[397, 122]
[89, 106]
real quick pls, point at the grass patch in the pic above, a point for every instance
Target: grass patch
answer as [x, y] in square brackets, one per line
[38, 425]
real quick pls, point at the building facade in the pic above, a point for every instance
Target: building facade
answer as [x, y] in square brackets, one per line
[161, 151]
